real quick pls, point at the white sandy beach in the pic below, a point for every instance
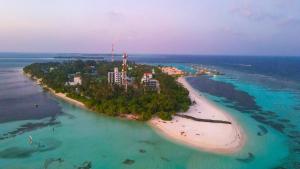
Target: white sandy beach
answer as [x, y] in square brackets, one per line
[62, 96]
[212, 137]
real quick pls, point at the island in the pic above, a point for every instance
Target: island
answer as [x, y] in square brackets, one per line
[156, 94]
[140, 92]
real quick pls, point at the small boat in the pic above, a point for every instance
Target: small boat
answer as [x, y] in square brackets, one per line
[36, 105]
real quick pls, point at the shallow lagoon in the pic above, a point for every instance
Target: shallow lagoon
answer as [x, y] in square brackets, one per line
[106, 142]
[65, 136]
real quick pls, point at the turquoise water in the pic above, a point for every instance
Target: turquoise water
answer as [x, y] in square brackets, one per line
[284, 104]
[65, 136]
[107, 142]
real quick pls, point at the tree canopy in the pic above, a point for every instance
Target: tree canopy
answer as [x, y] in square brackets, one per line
[100, 96]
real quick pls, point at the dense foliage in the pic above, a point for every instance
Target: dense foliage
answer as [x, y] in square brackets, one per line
[100, 96]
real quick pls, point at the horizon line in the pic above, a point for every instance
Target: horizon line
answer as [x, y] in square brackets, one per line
[137, 53]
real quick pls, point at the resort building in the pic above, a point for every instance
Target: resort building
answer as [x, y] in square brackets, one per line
[149, 82]
[76, 80]
[147, 76]
[171, 70]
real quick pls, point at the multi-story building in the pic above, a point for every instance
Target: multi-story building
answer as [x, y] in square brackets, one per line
[115, 77]
[120, 78]
[111, 77]
[150, 83]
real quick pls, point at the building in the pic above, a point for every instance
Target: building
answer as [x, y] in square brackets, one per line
[120, 78]
[111, 77]
[115, 77]
[147, 76]
[150, 83]
[172, 70]
[76, 79]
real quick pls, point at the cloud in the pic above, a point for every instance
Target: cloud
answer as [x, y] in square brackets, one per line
[277, 13]
[253, 13]
[289, 21]
[115, 16]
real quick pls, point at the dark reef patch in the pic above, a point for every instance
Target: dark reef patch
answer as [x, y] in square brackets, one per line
[29, 127]
[42, 145]
[279, 168]
[85, 165]
[164, 159]
[247, 159]
[260, 118]
[291, 126]
[16, 152]
[128, 161]
[147, 142]
[284, 120]
[50, 161]
[242, 100]
[294, 132]
[296, 108]
[295, 135]
[142, 151]
[245, 103]
[263, 130]
[277, 126]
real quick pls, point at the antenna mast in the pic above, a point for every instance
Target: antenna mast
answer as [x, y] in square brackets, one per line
[124, 71]
[112, 53]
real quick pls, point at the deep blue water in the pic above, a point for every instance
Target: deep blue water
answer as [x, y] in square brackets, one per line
[286, 68]
[262, 93]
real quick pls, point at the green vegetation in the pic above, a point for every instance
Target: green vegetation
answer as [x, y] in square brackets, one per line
[100, 96]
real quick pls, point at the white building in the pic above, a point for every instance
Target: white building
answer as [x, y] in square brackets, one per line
[76, 80]
[115, 77]
[146, 77]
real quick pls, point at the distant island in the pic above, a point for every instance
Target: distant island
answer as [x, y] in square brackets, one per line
[115, 88]
[80, 57]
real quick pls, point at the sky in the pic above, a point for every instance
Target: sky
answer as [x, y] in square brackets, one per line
[219, 27]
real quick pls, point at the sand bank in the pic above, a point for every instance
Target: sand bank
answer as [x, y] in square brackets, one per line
[207, 136]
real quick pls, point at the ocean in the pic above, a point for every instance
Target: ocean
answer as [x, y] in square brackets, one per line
[261, 93]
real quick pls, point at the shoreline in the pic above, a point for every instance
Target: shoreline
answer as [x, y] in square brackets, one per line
[172, 130]
[58, 95]
[69, 100]
[211, 137]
